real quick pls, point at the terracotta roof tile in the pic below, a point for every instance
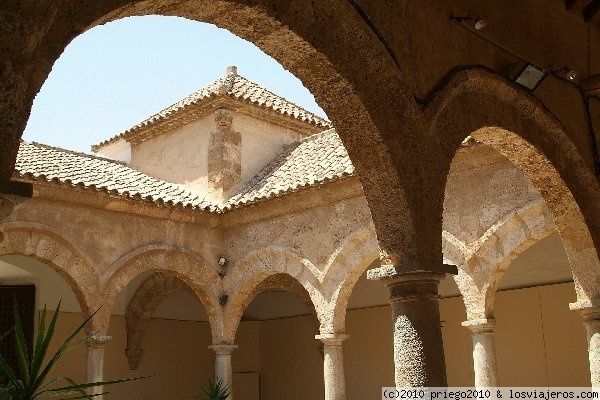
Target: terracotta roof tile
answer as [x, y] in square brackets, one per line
[41, 162]
[313, 161]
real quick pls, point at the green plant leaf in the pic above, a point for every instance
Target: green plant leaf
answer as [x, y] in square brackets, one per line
[38, 351]
[21, 345]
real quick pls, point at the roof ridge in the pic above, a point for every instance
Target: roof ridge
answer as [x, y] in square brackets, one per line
[77, 153]
[212, 90]
[280, 96]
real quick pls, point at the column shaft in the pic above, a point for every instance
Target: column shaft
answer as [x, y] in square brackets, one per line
[94, 371]
[223, 366]
[484, 352]
[418, 347]
[333, 366]
[591, 321]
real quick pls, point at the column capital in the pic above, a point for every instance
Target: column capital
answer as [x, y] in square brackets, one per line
[416, 284]
[480, 325]
[589, 312]
[97, 340]
[226, 349]
[332, 339]
[411, 272]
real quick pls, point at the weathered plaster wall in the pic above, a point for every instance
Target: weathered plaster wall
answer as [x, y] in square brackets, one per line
[180, 156]
[262, 142]
[105, 236]
[314, 233]
[482, 187]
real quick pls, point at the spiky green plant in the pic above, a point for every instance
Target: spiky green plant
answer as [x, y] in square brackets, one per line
[215, 390]
[32, 381]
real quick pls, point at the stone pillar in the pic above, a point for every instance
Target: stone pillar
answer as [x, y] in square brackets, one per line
[333, 365]
[223, 368]
[94, 371]
[484, 351]
[418, 348]
[591, 321]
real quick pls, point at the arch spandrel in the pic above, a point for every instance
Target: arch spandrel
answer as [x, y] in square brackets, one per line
[184, 264]
[44, 244]
[496, 113]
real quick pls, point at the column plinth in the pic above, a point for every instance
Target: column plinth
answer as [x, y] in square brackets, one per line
[223, 367]
[94, 371]
[591, 321]
[418, 347]
[333, 365]
[484, 351]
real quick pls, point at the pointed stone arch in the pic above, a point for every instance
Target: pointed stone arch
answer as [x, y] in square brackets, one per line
[247, 275]
[179, 262]
[45, 244]
[497, 113]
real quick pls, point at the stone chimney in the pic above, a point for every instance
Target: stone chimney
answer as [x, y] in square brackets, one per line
[231, 70]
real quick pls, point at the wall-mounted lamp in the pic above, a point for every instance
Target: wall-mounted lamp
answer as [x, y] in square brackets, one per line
[222, 261]
[478, 23]
[223, 299]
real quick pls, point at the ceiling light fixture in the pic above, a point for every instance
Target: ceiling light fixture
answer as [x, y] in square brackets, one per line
[531, 76]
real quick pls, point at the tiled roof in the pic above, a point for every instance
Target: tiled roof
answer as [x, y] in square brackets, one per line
[236, 87]
[41, 162]
[315, 160]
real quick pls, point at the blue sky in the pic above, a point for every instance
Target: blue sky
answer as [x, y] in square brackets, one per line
[116, 75]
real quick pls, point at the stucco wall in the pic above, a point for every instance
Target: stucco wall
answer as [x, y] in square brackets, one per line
[262, 141]
[180, 156]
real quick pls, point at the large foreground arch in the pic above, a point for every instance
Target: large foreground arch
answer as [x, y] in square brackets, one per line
[328, 45]
[496, 113]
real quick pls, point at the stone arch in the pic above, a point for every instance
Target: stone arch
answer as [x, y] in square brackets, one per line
[488, 258]
[180, 262]
[142, 305]
[344, 68]
[247, 275]
[497, 113]
[43, 243]
[344, 269]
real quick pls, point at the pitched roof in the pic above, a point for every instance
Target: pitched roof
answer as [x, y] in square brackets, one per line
[37, 161]
[233, 86]
[313, 161]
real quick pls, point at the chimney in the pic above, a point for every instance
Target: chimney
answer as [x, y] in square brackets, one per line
[231, 70]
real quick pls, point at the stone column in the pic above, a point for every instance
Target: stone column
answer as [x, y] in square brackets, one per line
[94, 371]
[591, 321]
[333, 365]
[418, 347]
[484, 351]
[223, 368]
